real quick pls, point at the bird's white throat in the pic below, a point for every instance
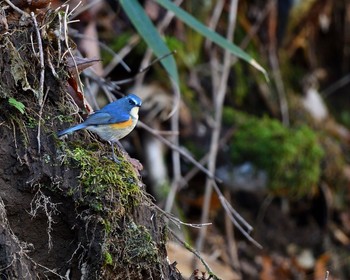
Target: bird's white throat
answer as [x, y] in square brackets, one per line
[135, 112]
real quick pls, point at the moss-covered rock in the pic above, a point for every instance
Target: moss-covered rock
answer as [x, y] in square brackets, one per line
[290, 156]
[99, 177]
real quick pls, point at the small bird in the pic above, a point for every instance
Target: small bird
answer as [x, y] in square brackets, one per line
[112, 122]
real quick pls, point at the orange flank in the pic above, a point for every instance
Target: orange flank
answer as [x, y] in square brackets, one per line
[122, 124]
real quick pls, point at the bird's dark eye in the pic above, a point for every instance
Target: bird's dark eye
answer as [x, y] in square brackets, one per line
[132, 102]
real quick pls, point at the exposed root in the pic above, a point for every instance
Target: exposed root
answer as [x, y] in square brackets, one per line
[42, 202]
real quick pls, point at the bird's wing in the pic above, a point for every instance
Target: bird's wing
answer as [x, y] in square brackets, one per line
[106, 118]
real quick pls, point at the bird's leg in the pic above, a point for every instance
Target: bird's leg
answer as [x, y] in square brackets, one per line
[120, 148]
[122, 151]
[113, 154]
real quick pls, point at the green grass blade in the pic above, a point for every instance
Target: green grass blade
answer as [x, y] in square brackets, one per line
[151, 36]
[17, 104]
[210, 34]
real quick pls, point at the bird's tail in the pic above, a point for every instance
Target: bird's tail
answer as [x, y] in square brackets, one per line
[71, 129]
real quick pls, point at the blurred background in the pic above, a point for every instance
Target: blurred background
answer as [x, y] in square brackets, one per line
[280, 147]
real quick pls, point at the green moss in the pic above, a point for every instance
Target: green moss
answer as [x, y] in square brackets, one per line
[139, 245]
[131, 246]
[104, 184]
[107, 226]
[291, 157]
[108, 260]
[65, 119]
[31, 122]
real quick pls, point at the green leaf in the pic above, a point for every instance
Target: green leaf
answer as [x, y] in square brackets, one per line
[17, 104]
[210, 34]
[149, 33]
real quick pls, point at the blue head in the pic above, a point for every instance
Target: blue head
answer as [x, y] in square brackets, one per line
[133, 103]
[128, 104]
[132, 100]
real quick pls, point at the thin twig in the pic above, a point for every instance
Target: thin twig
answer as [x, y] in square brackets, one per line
[59, 36]
[336, 86]
[236, 218]
[39, 122]
[229, 207]
[118, 57]
[49, 61]
[141, 72]
[189, 248]
[156, 61]
[232, 249]
[85, 8]
[41, 57]
[177, 221]
[46, 268]
[71, 12]
[74, 253]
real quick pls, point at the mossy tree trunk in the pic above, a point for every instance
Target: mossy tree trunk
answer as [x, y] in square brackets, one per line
[66, 210]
